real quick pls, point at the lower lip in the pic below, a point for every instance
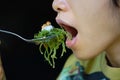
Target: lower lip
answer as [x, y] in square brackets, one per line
[70, 43]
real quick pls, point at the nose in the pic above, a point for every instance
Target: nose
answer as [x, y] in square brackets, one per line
[59, 5]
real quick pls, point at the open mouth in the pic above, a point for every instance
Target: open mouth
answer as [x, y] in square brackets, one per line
[71, 31]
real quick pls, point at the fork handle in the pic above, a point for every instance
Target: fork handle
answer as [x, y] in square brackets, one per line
[8, 32]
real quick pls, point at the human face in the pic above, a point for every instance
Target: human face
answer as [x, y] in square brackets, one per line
[94, 25]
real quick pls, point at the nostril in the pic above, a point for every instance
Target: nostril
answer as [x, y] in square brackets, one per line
[59, 9]
[59, 5]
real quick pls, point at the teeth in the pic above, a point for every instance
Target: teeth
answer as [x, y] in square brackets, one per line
[69, 36]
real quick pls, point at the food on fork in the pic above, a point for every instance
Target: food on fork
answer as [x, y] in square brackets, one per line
[50, 46]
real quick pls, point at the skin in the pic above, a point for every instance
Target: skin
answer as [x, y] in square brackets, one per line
[98, 25]
[2, 75]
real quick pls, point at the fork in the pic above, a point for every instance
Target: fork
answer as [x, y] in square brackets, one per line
[27, 40]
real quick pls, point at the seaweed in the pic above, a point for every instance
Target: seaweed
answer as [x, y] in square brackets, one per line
[51, 45]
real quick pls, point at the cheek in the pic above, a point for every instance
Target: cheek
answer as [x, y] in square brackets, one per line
[85, 10]
[89, 48]
[91, 44]
[97, 27]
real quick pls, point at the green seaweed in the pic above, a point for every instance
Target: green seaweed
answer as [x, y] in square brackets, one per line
[51, 45]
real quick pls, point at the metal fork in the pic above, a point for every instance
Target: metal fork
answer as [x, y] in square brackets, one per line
[28, 40]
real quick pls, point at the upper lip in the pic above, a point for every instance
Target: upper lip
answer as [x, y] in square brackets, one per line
[61, 22]
[69, 28]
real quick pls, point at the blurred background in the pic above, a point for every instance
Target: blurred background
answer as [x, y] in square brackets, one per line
[21, 60]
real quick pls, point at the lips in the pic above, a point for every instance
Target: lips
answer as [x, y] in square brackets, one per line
[72, 33]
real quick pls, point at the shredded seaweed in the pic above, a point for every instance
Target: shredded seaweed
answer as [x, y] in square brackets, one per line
[51, 45]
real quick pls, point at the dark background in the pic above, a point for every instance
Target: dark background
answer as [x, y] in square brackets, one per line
[21, 60]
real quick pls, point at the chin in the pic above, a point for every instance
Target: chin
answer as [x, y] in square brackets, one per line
[84, 55]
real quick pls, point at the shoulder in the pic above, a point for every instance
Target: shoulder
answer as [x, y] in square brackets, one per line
[73, 66]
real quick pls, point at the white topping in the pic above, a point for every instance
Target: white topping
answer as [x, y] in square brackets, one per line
[48, 28]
